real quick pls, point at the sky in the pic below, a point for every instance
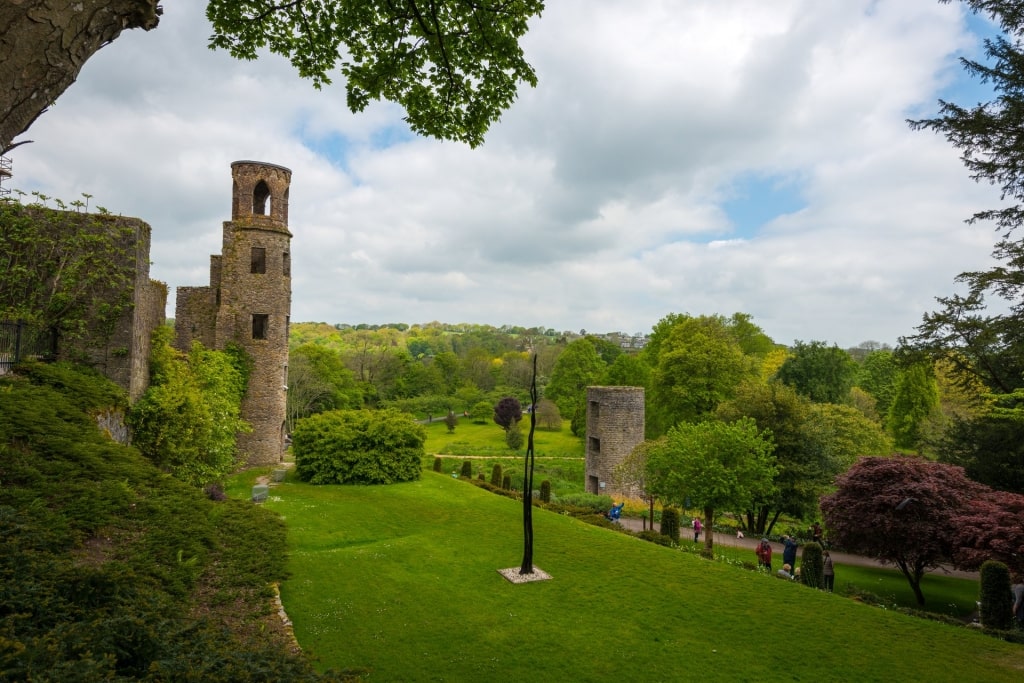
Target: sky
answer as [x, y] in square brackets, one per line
[698, 157]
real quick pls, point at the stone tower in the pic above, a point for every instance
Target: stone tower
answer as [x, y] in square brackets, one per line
[248, 301]
[615, 426]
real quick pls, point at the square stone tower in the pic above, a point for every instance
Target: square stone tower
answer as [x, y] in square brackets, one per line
[248, 301]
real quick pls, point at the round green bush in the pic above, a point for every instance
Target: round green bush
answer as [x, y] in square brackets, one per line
[358, 447]
[481, 413]
[995, 596]
[670, 523]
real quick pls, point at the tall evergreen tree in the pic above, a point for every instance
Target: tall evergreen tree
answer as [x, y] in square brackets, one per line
[916, 399]
[977, 339]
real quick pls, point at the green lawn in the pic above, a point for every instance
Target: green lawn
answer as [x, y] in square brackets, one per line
[489, 439]
[401, 581]
[945, 595]
[558, 456]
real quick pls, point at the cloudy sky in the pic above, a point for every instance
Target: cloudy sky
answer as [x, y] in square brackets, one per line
[692, 156]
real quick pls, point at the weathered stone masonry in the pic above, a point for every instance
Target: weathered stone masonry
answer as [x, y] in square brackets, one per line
[615, 426]
[123, 357]
[248, 301]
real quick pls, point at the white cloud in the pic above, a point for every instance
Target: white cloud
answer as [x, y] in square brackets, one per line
[598, 201]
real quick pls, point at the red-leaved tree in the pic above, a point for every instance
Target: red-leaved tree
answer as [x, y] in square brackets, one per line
[991, 528]
[900, 510]
[508, 412]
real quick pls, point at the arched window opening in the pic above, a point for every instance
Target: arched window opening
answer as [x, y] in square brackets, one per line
[261, 199]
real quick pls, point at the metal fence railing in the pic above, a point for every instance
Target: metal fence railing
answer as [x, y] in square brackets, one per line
[19, 340]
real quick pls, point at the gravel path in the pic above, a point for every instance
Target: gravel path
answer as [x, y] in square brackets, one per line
[838, 558]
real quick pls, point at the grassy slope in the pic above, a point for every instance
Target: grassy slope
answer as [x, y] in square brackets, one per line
[402, 580]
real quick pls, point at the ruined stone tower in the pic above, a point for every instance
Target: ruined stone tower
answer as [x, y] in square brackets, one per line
[248, 301]
[615, 426]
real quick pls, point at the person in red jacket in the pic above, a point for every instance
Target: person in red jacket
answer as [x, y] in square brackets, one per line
[764, 554]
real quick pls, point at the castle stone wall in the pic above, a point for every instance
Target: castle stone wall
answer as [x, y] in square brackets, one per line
[123, 356]
[195, 317]
[615, 426]
[150, 307]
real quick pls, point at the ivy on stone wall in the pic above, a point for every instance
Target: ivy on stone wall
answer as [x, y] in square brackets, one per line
[68, 270]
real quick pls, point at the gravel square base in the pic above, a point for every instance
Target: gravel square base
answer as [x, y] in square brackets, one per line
[513, 575]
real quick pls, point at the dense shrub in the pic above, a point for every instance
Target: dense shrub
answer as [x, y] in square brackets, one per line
[358, 447]
[812, 566]
[514, 437]
[995, 596]
[467, 469]
[450, 421]
[655, 537]
[481, 477]
[100, 581]
[438, 463]
[496, 475]
[188, 420]
[545, 491]
[506, 482]
[591, 501]
[481, 412]
[670, 523]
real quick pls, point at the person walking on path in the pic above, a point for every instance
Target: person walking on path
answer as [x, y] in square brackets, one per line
[789, 546]
[1018, 600]
[696, 529]
[764, 554]
[828, 571]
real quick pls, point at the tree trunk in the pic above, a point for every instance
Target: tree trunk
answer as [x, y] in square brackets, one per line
[757, 520]
[709, 533]
[44, 44]
[914, 575]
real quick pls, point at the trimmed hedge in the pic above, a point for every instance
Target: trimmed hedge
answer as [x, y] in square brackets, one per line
[812, 566]
[995, 596]
[358, 447]
[670, 523]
